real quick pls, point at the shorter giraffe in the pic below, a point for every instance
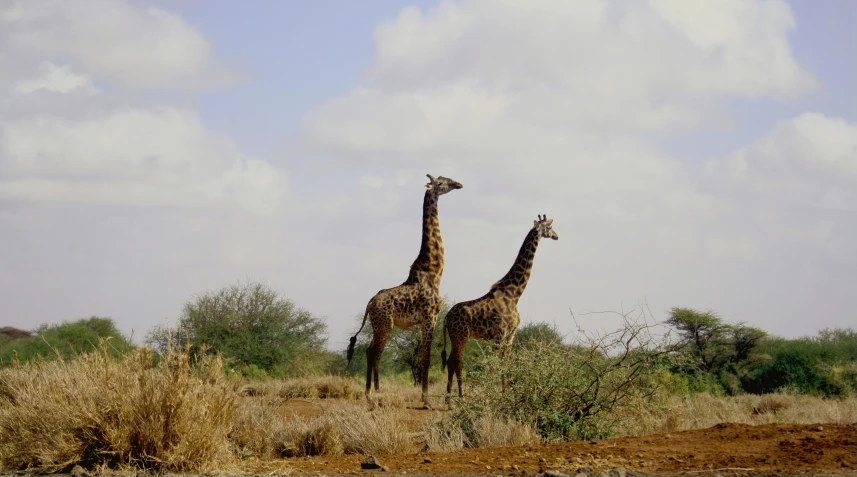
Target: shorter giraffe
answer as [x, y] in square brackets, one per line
[494, 316]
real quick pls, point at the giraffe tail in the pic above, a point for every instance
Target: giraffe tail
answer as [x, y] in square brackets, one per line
[353, 341]
[443, 353]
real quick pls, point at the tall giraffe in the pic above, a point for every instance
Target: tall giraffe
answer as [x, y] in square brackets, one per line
[416, 302]
[494, 316]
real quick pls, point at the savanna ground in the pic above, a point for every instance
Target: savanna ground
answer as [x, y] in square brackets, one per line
[761, 433]
[626, 400]
[88, 411]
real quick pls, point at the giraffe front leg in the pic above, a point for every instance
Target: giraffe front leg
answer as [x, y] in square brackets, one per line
[428, 334]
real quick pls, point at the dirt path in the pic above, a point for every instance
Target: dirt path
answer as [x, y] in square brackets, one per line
[761, 448]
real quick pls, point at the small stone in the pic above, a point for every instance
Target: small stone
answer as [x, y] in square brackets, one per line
[593, 441]
[555, 473]
[426, 461]
[78, 471]
[819, 428]
[371, 463]
[586, 471]
[542, 460]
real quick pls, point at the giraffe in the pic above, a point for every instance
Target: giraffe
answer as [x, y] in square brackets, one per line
[494, 316]
[415, 303]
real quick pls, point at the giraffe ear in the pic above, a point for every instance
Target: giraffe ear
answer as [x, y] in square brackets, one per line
[550, 221]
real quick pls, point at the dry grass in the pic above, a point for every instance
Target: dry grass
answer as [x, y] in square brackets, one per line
[703, 410]
[342, 427]
[322, 387]
[131, 412]
[487, 431]
[177, 415]
[365, 431]
[258, 428]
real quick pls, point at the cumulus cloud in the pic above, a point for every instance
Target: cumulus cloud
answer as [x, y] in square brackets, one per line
[809, 160]
[58, 79]
[482, 74]
[64, 139]
[153, 157]
[118, 41]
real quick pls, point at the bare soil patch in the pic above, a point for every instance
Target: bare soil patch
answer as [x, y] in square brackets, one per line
[769, 447]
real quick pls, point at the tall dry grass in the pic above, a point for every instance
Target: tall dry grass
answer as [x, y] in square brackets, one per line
[321, 387]
[448, 435]
[342, 427]
[703, 410]
[131, 412]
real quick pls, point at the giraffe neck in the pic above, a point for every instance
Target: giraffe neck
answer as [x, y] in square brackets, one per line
[515, 281]
[429, 263]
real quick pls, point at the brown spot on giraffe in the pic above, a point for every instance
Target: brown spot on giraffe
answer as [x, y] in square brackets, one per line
[416, 302]
[494, 316]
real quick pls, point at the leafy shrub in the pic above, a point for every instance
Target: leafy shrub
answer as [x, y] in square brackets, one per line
[65, 339]
[258, 332]
[825, 365]
[566, 392]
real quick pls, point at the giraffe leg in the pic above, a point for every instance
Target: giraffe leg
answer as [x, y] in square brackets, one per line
[370, 358]
[459, 363]
[450, 370]
[377, 363]
[428, 334]
[373, 360]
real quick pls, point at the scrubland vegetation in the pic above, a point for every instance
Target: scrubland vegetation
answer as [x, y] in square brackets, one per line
[243, 379]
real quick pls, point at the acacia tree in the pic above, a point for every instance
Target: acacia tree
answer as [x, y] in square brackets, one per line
[704, 333]
[724, 352]
[251, 325]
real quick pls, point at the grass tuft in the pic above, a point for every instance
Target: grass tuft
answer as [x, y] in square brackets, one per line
[130, 412]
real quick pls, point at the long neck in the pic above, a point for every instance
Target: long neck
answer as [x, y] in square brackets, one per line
[515, 281]
[429, 262]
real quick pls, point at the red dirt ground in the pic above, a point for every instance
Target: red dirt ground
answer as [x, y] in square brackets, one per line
[766, 447]
[771, 447]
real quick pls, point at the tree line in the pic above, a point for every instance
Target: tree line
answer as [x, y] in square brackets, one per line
[260, 333]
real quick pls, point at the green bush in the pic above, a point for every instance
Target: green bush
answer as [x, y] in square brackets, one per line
[566, 392]
[824, 365]
[67, 339]
[252, 326]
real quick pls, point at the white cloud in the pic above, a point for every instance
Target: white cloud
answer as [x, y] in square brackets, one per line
[151, 157]
[373, 182]
[135, 46]
[478, 74]
[809, 160]
[58, 79]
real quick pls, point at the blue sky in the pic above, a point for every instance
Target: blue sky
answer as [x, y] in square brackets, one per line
[148, 155]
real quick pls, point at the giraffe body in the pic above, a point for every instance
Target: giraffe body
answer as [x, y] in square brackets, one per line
[415, 304]
[494, 316]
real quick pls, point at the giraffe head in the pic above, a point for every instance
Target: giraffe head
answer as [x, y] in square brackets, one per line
[441, 185]
[544, 227]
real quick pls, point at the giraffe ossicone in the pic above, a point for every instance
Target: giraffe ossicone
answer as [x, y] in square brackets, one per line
[417, 301]
[493, 317]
